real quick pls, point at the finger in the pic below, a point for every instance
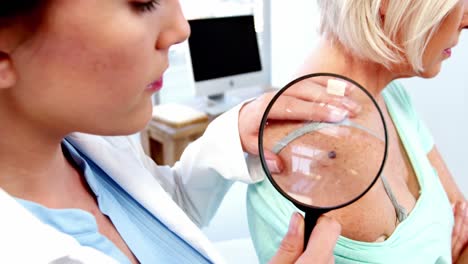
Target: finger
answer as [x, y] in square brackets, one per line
[464, 234]
[456, 225]
[463, 257]
[322, 82]
[322, 241]
[459, 229]
[463, 229]
[350, 105]
[313, 92]
[291, 108]
[291, 247]
[273, 161]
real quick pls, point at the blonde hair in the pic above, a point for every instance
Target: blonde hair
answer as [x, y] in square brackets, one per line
[407, 29]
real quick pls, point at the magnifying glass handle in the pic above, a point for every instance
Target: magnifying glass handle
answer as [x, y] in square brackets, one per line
[310, 222]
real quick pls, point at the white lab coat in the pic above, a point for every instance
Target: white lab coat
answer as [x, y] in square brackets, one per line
[184, 197]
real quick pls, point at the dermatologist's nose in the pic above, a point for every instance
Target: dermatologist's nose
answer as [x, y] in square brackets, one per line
[177, 28]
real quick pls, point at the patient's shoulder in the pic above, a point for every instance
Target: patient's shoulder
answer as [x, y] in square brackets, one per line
[396, 97]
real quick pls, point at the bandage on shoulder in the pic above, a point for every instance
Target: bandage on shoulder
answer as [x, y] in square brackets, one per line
[336, 87]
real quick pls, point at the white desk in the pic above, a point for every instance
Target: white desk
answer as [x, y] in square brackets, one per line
[164, 144]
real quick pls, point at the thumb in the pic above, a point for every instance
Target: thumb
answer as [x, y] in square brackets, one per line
[322, 241]
[291, 246]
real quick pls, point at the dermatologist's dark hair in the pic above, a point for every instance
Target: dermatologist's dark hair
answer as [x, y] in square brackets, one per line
[15, 8]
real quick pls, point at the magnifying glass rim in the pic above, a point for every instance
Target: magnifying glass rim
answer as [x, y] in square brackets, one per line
[262, 154]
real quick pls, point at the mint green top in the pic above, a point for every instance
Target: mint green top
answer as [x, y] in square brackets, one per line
[423, 237]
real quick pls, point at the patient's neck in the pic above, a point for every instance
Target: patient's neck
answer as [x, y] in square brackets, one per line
[331, 57]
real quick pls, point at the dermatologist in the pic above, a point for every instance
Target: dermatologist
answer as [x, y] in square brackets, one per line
[76, 77]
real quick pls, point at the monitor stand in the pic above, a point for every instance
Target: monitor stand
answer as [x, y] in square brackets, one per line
[219, 103]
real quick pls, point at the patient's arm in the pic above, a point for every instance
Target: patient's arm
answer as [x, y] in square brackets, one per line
[445, 176]
[460, 229]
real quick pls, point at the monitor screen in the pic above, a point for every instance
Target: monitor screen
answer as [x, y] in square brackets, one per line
[221, 47]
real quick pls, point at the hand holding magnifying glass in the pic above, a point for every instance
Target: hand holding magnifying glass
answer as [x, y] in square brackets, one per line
[295, 103]
[327, 164]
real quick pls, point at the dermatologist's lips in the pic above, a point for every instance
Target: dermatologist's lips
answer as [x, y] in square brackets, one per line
[156, 85]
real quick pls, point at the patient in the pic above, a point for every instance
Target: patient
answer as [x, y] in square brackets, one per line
[407, 216]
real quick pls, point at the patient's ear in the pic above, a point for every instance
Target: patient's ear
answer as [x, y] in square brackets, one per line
[8, 75]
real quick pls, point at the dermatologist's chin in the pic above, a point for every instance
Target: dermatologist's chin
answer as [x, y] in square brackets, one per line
[140, 121]
[132, 124]
[135, 128]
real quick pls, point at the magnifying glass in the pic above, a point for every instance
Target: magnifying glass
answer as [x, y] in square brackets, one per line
[326, 165]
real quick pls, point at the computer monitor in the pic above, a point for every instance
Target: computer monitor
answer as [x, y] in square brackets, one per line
[224, 55]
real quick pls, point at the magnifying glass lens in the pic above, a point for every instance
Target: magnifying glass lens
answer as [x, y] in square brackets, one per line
[325, 164]
[328, 166]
